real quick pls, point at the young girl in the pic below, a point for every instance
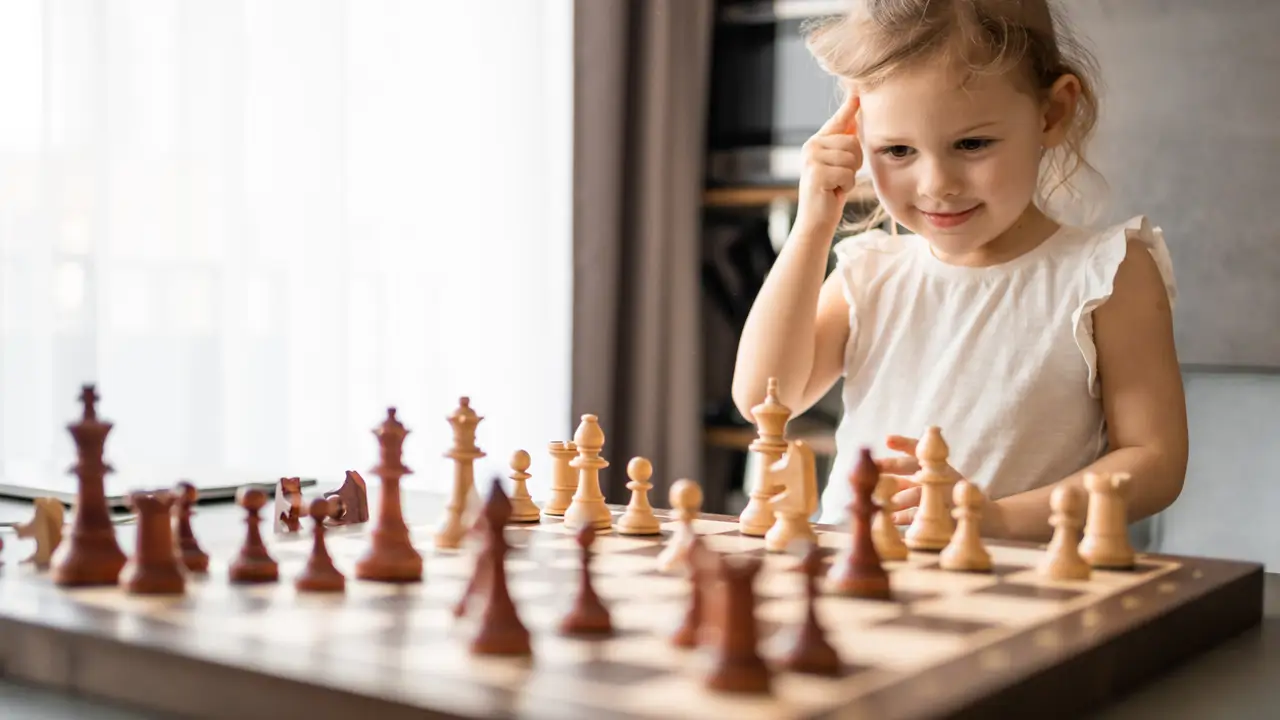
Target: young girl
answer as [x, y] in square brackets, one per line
[1041, 349]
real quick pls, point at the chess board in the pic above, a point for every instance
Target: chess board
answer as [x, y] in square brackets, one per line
[948, 645]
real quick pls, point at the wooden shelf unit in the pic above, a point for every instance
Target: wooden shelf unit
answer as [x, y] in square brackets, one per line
[747, 197]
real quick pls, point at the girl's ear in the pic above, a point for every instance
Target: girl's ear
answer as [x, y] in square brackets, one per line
[1059, 108]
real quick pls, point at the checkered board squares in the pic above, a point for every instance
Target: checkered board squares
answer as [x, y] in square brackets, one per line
[410, 631]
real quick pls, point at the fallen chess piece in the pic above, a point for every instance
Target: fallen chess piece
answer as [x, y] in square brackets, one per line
[349, 504]
[45, 527]
[288, 505]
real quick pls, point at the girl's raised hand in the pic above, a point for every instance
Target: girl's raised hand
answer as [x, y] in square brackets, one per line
[832, 158]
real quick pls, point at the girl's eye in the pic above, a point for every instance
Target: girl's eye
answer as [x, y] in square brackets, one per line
[897, 151]
[972, 144]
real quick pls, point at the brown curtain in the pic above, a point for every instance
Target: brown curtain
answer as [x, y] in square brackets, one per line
[641, 81]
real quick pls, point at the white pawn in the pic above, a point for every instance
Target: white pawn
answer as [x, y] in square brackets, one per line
[1106, 529]
[686, 499]
[965, 550]
[888, 541]
[522, 508]
[639, 518]
[1062, 560]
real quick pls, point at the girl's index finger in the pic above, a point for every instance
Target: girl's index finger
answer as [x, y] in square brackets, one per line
[844, 121]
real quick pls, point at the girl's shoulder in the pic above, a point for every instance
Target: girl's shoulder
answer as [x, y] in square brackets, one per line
[1102, 250]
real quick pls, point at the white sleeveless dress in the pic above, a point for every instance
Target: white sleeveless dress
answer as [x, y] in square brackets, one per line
[1000, 358]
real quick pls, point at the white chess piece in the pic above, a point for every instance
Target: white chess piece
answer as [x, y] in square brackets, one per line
[1106, 530]
[1062, 560]
[888, 541]
[798, 500]
[965, 550]
[639, 518]
[686, 499]
[932, 525]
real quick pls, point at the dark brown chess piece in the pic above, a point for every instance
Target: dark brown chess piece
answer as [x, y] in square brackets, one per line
[391, 556]
[288, 505]
[91, 555]
[588, 616]
[812, 653]
[736, 664]
[155, 568]
[320, 574]
[859, 572]
[350, 501]
[480, 571]
[185, 545]
[501, 632]
[687, 634]
[254, 564]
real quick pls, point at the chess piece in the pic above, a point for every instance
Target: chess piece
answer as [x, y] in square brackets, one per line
[522, 508]
[686, 498]
[965, 551]
[736, 664]
[288, 505]
[687, 634]
[858, 572]
[588, 506]
[391, 556]
[45, 527]
[796, 502]
[154, 569]
[889, 542]
[811, 652]
[932, 525]
[464, 453]
[320, 574]
[501, 632]
[639, 518]
[771, 419]
[91, 555]
[588, 616]
[254, 564]
[1106, 532]
[185, 545]
[1062, 560]
[350, 502]
[564, 481]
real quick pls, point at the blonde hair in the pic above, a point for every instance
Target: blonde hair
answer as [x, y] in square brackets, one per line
[877, 38]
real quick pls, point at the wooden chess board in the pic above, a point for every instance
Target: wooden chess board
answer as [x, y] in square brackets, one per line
[948, 645]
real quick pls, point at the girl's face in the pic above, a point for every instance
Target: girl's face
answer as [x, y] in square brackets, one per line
[956, 164]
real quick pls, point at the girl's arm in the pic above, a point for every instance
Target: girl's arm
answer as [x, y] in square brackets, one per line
[1143, 401]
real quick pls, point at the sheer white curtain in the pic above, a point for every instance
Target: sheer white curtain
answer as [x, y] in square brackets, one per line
[255, 224]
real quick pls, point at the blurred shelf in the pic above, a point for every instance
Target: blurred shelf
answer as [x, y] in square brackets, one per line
[731, 197]
[822, 438]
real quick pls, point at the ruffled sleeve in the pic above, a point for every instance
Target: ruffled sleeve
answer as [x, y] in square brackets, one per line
[859, 260]
[1108, 251]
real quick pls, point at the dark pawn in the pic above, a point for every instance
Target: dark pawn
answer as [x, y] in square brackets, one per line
[687, 634]
[195, 559]
[320, 574]
[812, 653]
[737, 666]
[588, 616]
[858, 573]
[154, 568]
[254, 564]
[501, 632]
